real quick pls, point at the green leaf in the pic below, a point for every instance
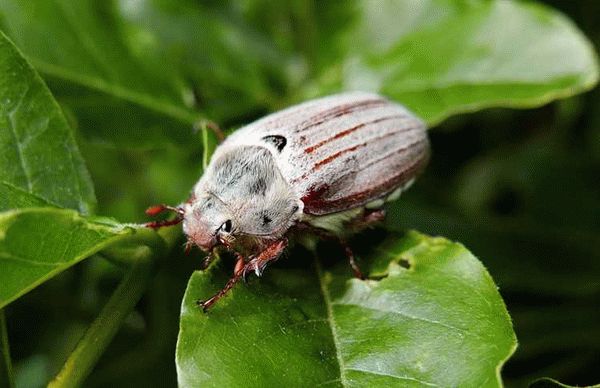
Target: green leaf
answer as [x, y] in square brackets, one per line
[440, 322]
[40, 164]
[37, 244]
[443, 57]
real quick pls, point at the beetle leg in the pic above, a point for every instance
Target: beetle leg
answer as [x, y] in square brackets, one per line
[271, 253]
[347, 250]
[373, 216]
[237, 275]
[256, 265]
[188, 247]
[367, 219]
[207, 260]
[350, 255]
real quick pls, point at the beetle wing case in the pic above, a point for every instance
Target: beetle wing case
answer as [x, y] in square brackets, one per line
[342, 151]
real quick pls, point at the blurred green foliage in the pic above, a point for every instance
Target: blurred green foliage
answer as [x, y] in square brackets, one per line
[519, 188]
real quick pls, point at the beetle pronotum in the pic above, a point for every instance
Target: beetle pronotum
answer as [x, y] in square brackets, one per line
[324, 166]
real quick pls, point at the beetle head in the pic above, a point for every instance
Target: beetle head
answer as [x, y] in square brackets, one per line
[207, 222]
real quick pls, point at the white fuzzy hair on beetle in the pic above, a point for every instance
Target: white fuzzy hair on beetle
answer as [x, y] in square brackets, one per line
[323, 167]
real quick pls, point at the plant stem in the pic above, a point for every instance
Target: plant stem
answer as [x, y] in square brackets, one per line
[6, 375]
[99, 335]
[145, 250]
[205, 149]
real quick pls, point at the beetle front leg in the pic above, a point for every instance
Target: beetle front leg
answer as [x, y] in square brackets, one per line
[256, 265]
[237, 275]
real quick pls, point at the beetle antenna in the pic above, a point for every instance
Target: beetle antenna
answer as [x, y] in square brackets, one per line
[157, 209]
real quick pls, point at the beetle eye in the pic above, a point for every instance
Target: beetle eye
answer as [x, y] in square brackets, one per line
[226, 227]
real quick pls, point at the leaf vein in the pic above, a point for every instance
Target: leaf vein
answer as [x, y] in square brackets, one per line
[10, 256]
[163, 107]
[395, 376]
[406, 315]
[19, 146]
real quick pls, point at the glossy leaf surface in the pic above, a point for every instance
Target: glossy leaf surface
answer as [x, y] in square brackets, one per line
[40, 164]
[442, 57]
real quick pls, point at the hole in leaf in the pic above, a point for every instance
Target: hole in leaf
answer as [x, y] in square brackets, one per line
[405, 263]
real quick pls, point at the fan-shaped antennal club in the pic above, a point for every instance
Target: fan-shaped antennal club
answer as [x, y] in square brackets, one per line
[157, 209]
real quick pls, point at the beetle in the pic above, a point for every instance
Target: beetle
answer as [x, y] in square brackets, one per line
[325, 166]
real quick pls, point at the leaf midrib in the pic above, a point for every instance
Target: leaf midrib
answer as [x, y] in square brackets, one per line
[336, 341]
[331, 321]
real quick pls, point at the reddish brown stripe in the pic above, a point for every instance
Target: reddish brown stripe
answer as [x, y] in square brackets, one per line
[389, 154]
[319, 206]
[405, 148]
[331, 158]
[348, 131]
[339, 111]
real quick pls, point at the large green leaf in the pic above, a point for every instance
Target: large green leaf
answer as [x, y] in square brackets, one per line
[37, 244]
[439, 322]
[442, 57]
[39, 160]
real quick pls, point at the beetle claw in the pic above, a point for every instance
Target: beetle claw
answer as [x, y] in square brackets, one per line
[254, 265]
[202, 305]
[206, 262]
